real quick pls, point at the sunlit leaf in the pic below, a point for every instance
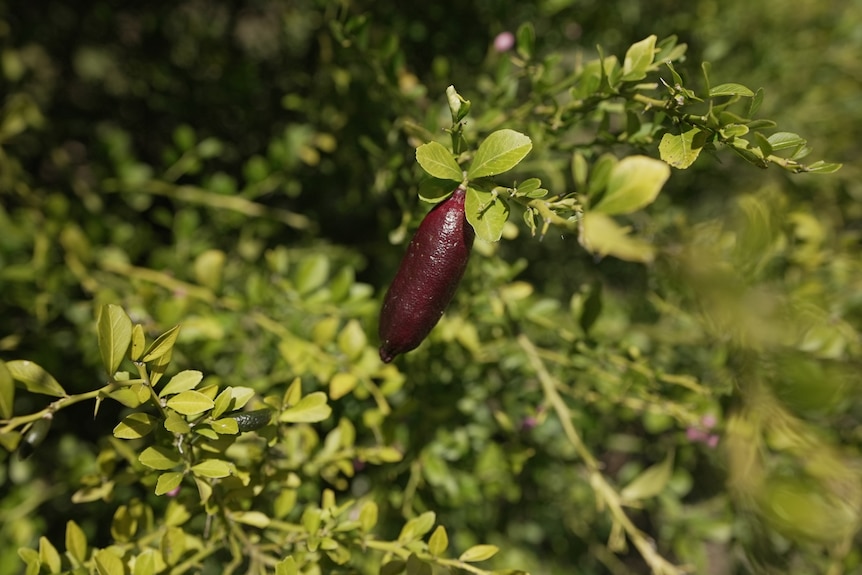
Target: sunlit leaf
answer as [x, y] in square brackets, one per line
[487, 214]
[34, 378]
[438, 162]
[115, 334]
[499, 152]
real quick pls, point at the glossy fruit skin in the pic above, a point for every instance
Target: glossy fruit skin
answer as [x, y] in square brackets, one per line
[252, 420]
[427, 278]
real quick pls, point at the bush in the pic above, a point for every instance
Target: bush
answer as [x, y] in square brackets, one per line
[650, 365]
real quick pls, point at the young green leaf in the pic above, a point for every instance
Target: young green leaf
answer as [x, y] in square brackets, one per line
[161, 458]
[168, 481]
[76, 542]
[108, 562]
[438, 161]
[49, 556]
[681, 150]
[183, 381]
[601, 235]
[634, 182]
[639, 58]
[134, 426]
[190, 403]
[212, 468]
[730, 89]
[310, 409]
[478, 553]
[115, 334]
[439, 541]
[368, 516]
[649, 483]
[417, 527]
[499, 152]
[487, 214]
[138, 342]
[34, 378]
[287, 566]
[7, 391]
[163, 345]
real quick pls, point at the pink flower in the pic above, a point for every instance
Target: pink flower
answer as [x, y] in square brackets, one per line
[504, 41]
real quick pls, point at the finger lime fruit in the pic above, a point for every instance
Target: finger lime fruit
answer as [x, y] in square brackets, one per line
[428, 277]
[252, 420]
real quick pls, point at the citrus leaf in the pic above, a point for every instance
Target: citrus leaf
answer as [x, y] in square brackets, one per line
[417, 527]
[76, 542]
[487, 214]
[160, 458]
[7, 391]
[134, 426]
[634, 183]
[138, 342]
[639, 57]
[34, 378]
[730, 89]
[183, 381]
[651, 482]
[681, 150]
[212, 468]
[501, 151]
[115, 335]
[478, 553]
[601, 235]
[310, 409]
[438, 161]
[190, 403]
[168, 481]
[163, 344]
[439, 541]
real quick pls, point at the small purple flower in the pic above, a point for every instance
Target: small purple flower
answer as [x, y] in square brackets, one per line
[174, 492]
[504, 42]
[528, 423]
[708, 421]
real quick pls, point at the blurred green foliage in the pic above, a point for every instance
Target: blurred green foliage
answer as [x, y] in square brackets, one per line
[247, 171]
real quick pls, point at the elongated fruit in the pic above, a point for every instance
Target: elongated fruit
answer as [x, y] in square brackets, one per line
[428, 277]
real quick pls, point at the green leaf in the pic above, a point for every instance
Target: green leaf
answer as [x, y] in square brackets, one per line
[157, 457]
[311, 273]
[352, 340]
[639, 58]
[286, 566]
[681, 150]
[134, 426]
[439, 541]
[478, 553]
[168, 481]
[368, 516]
[341, 384]
[310, 409]
[212, 468]
[190, 403]
[526, 37]
[499, 152]
[176, 423]
[821, 167]
[34, 378]
[785, 140]
[730, 89]
[49, 556]
[115, 335]
[108, 562]
[435, 190]
[438, 161]
[416, 566]
[253, 518]
[651, 482]
[76, 542]
[225, 426]
[7, 391]
[487, 213]
[163, 345]
[138, 342]
[634, 183]
[183, 381]
[145, 563]
[601, 235]
[417, 527]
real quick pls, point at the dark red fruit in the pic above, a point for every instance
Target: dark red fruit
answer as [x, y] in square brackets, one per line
[428, 277]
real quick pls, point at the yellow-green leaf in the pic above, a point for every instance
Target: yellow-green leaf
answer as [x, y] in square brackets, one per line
[190, 403]
[168, 481]
[212, 468]
[76, 542]
[439, 541]
[310, 409]
[499, 152]
[138, 342]
[49, 556]
[681, 150]
[7, 391]
[478, 553]
[286, 566]
[34, 378]
[487, 213]
[163, 345]
[157, 457]
[634, 183]
[651, 482]
[417, 527]
[115, 334]
[438, 161]
[108, 563]
[253, 518]
[601, 235]
[183, 381]
[134, 426]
